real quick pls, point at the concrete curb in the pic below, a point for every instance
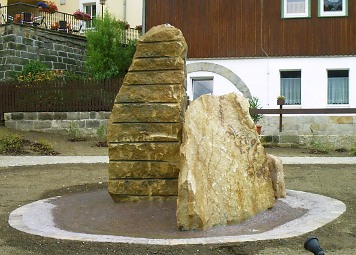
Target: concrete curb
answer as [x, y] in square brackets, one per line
[7, 161]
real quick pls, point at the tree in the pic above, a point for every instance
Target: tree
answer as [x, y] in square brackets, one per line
[108, 54]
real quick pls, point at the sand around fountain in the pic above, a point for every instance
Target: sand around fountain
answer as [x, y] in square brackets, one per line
[93, 216]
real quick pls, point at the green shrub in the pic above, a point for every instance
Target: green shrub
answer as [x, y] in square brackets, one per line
[353, 150]
[10, 143]
[34, 67]
[75, 133]
[38, 71]
[316, 146]
[108, 53]
[102, 136]
[255, 104]
[101, 132]
[43, 147]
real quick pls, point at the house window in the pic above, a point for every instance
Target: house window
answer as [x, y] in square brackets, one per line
[202, 86]
[90, 9]
[338, 86]
[291, 86]
[295, 8]
[332, 8]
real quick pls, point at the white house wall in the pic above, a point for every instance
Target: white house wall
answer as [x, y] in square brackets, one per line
[262, 77]
[134, 12]
[129, 10]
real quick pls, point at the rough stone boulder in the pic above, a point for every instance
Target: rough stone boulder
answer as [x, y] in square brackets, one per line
[144, 131]
[224, 176]
[275, 166]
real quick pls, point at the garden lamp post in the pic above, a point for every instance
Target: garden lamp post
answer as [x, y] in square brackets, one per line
[102, 2]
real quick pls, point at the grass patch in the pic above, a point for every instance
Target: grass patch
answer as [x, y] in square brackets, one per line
[353, 150]
[102, 136]
[11, 143]
[15, 144]
[75, 135]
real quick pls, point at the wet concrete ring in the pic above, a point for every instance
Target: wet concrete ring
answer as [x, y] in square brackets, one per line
[93, 216]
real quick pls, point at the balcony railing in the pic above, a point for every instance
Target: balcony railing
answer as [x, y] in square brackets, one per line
[31, 15]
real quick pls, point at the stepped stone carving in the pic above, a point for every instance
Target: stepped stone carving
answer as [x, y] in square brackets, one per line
[224, 176]
[144, 131]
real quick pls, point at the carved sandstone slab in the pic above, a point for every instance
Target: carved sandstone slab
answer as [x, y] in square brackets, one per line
[144, 94]
[144, 131]
[143, 170]
[224, 176]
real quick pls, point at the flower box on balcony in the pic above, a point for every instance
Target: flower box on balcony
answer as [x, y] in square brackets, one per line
[79, 15]
[49, 7]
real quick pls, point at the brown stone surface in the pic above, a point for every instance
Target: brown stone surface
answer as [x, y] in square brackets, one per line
[146, 113]
[341, 119]
[162, 49]
[275, 166]
[130, 199]
[162, 33]
[143, 94]
[157, 187]
[144, 131]
[167, 152]
[143, 169]
[224, 176]
[154, 77]
[166, 63]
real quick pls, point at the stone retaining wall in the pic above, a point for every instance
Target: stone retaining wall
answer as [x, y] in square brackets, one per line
[59, 122]
[19, 44]
[337, 131]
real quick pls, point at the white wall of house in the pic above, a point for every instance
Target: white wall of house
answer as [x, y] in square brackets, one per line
[262, 77]
[129, 10]
[3, 2]
[67, 6]
[134, 12]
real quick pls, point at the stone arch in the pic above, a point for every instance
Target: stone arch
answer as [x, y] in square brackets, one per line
[223, 71]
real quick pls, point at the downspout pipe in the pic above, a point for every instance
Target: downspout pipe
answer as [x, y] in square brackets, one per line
[124, 10]
[143, 16]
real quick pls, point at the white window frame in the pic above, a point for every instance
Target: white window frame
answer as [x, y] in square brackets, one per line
[342, 13]
[89, 24]
[305, 14]
[197, 79]
[300, 87]
[348, 88]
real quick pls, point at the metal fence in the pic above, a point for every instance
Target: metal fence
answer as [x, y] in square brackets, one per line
[58, 96]
[31, 15]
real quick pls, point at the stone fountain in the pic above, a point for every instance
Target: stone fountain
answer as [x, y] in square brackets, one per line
[224, 172]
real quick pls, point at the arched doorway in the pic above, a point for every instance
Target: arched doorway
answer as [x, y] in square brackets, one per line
[223, 71]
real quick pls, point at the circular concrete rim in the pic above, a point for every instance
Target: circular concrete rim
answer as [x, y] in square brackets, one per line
[36, 218]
